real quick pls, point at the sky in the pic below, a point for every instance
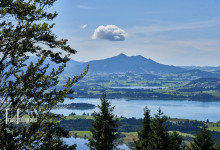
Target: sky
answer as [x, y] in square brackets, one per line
[171, 32]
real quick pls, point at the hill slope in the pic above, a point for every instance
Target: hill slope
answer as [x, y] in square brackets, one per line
[136, 64]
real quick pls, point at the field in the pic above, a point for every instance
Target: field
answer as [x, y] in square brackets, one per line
[81, 134]
[79, 117]
[129, 126]
[170, 86]
[214, 126]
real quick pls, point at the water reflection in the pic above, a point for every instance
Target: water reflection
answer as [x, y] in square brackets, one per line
[81, 143]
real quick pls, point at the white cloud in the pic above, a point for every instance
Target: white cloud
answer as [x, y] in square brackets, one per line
[84, 26]
[109, 32]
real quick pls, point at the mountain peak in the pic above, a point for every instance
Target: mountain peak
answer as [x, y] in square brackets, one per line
[140, 56]
[136, 64]
[122, 55]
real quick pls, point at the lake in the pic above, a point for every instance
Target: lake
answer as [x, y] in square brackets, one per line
[196, 110]
[81, 143]
[139, 87]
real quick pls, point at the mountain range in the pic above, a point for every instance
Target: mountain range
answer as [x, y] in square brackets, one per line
[121, 64]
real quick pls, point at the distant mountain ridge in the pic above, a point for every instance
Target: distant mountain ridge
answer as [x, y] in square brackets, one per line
[202, 68]
[197, 72]
[118, 64]
[70, 66]
[135, 64]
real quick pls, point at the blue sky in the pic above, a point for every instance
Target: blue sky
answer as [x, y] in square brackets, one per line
[173, 32]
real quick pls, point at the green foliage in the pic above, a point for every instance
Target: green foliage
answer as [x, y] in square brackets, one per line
[80, 134]
[50, 142]
[154, 134]
[178, 87]
[160, 136]
[104, 131]
[218, 145]
[144, 134]
[202, 140]
[175, 141]
[31, 87]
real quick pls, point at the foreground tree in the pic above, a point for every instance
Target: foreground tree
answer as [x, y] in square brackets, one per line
[159, 135]
[143, 142]
[104, 131]
[202, 141]
[175, 141]
[218, 145]
[154, 134]
[31, 86]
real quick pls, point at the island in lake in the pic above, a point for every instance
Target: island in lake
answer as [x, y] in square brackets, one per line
[75, 106]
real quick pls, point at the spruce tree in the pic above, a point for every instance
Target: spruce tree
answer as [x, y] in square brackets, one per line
[175, 141]
[218, 145]
[144, 134]
[104, 131]
[159, 134]
[154, 134]
[203, 140]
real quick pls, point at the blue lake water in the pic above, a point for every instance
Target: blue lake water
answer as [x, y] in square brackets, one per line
[81, 143]
[196, 110]
[139, 87]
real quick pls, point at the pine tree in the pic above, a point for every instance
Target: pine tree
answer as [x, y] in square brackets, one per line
[203, 140]
[218, 145]
[104, 131]
[144, 134]
[175, 141]
[154, 134]
[159, 134]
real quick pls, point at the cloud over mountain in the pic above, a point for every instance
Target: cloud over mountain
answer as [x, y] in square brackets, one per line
[109, 32]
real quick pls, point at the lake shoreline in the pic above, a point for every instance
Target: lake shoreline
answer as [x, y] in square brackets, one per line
[186, 109]
[156, 99]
